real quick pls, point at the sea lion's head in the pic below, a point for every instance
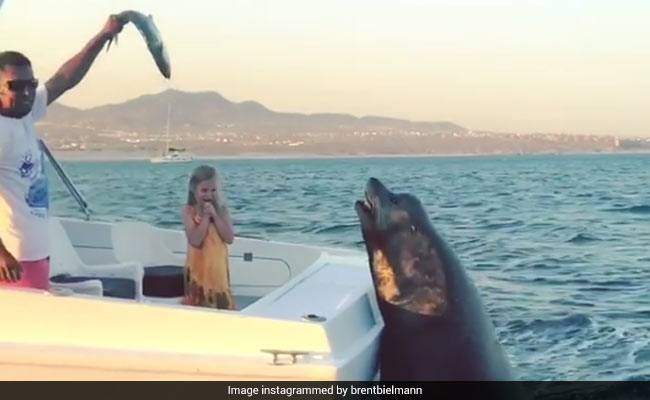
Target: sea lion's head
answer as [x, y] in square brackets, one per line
[401, 243]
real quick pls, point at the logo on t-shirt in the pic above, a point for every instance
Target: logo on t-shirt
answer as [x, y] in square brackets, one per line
[27, 165]
[37, 194]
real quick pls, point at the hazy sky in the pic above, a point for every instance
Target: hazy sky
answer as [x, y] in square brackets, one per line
[519, 65]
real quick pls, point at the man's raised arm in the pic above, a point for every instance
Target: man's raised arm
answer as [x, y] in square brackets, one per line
[73, 71]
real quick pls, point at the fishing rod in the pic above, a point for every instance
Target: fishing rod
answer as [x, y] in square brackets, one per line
[64, 177]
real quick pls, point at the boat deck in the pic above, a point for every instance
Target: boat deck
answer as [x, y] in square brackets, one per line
[245, 301]
[161, 284]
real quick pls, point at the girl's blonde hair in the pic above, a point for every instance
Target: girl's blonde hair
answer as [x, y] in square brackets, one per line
[201, 174]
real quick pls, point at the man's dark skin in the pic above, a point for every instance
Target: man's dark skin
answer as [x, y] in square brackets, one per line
[16, 101]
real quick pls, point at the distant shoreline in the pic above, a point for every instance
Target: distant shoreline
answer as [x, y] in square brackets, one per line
[116, 157]
[67, 157]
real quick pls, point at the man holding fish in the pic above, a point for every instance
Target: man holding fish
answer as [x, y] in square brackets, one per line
[24, 195]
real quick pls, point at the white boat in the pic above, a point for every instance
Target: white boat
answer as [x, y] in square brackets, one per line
[169, 154]
[304, 312]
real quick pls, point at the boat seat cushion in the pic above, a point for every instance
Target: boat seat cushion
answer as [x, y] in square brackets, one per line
[163, 281]
[122, 288]
[159, 281]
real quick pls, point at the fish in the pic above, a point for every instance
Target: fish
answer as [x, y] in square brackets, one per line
[149, 31]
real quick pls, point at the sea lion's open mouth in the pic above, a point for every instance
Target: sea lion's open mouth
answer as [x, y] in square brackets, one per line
[371, 203]
[368, 204]
[366, 208]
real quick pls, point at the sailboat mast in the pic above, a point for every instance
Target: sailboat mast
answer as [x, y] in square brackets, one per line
[169, 107]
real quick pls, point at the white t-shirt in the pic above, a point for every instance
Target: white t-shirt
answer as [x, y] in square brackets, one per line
[24, 197]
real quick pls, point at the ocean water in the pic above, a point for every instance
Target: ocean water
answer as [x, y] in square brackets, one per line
[559, 246]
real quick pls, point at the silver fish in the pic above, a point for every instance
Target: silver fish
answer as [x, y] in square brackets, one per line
[152, 37]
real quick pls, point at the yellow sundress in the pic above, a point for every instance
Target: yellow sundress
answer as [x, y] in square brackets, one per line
[206, 272]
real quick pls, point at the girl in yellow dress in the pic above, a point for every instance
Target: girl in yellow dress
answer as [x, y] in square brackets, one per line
[209, 231]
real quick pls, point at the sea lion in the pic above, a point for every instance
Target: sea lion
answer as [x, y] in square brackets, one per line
[435, 324]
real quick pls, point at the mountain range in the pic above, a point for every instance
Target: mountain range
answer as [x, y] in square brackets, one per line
[202, 112]
[208, 124]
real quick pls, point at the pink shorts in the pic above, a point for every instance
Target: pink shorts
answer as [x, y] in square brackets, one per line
[36, 274]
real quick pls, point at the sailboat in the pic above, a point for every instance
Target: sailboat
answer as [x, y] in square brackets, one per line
[171, 154]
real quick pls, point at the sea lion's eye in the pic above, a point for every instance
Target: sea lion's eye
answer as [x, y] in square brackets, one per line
[393, 199]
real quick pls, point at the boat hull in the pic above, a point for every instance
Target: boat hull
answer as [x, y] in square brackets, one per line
[161, 160]
[323, 308]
